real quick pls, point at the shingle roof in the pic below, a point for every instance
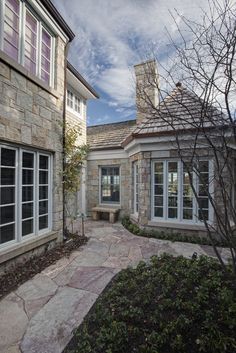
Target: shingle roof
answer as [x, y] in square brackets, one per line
[181, 110]
[109, 136]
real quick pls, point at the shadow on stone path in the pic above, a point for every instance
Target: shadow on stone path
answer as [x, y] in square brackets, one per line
[41, 314]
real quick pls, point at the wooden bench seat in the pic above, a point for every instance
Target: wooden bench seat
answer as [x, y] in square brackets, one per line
[113, 212]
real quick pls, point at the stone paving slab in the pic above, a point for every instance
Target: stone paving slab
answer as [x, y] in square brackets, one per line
[41, 314]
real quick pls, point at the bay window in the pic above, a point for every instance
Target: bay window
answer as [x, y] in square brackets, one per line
[26, 39]
[173, 196]
[110, 184]
[25, 201]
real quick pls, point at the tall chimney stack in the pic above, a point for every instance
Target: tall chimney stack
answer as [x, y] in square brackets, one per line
[147, 93]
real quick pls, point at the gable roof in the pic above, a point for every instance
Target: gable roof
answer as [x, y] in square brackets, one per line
[109, 136]
[180, 111]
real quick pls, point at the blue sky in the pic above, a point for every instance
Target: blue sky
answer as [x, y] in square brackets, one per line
[114, 35]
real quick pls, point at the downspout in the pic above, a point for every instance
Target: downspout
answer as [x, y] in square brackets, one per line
[63, 132]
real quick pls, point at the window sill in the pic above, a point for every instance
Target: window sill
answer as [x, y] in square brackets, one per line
[17, 249]
[187, 226]
[74, 112]
[19, 68]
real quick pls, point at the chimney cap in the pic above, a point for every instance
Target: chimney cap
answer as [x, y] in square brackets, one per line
[178, 84]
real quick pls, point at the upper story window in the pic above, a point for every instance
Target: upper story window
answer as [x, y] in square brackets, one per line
[74, 102]
[26, 40]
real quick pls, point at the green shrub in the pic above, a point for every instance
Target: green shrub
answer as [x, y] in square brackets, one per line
[172, 305]
[152, 233]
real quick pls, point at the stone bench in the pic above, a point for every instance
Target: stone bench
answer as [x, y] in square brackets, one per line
[113, 212]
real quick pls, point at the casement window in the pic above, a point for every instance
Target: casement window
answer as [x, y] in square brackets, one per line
[25, 194]
[136, 187]
[74, 102]
[173, 197]
[110, 184]
[26, 39]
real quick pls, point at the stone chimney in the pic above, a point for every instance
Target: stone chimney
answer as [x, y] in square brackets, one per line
[147, 93]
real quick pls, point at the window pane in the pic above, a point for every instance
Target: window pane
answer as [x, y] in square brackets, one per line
[11, 28]
[187, 202]
[27, 193]
[7, 176]
[27, 210]
[110, 184]
[7, 195]
[7, 214]
[204, 166]
[203, 202]
[158, 212]
[43, 162]
[158, 201]
[203, 214]
[158, 167]
[8, 157]
[45, 77]
[43, 177]
[28, 160]
[43, 192]
[187, 214]
[172, 212]
[10, 50]
[43, 207]
[13, 5]
[172, 201]
[27, 177]
[7, 233]
[158, 178]
[158, 189]
[27, 227]
[46, 38]
[43, 222]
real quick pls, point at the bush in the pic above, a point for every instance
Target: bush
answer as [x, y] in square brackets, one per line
[152, 233]
[172, 305]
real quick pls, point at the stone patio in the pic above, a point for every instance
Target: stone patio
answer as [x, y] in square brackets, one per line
[41, 314]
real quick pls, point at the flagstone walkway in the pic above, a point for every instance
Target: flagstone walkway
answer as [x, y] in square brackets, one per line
[41, 314]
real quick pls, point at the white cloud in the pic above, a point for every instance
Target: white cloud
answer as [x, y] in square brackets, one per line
[112, 36]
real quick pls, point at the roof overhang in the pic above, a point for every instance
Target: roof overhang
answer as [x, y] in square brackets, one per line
[48, 5]
[76, 80]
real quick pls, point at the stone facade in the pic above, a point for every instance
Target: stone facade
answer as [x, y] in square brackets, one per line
[93, 187]
[31, 115]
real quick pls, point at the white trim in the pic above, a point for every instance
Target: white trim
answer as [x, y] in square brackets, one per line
[107, 154]
[41, 25]
[18, 194]
[179, 219]
[100, 185]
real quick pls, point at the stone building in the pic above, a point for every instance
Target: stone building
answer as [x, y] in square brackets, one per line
[34, 42]
[134, 166]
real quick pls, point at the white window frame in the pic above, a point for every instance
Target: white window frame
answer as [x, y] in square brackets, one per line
[179, 218]
[72, 99]
[18, 196]
[24, 7]
[101, 202]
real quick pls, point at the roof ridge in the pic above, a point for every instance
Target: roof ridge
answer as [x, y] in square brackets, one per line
[115, 123]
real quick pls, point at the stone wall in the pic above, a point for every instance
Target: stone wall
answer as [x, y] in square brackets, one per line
[93, 183]
[31, 115]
